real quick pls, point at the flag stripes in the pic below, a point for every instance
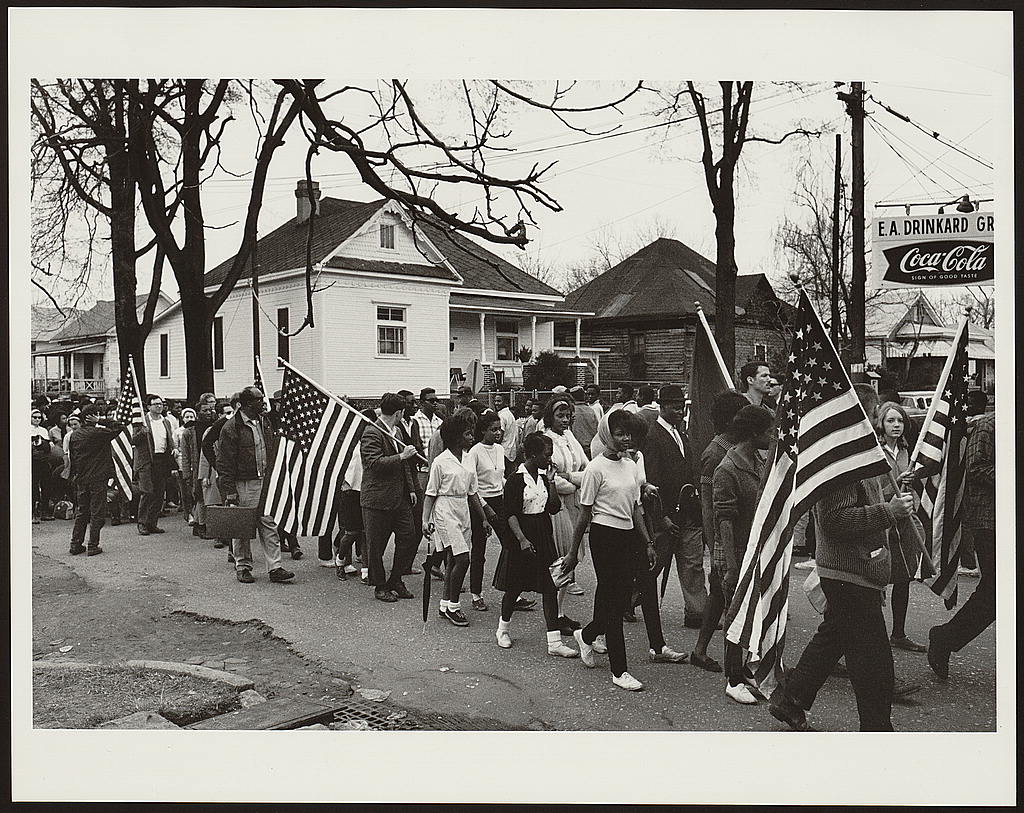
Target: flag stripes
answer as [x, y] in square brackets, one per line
[317, 438]
[939, 470]
[823, 441]
[129, 411]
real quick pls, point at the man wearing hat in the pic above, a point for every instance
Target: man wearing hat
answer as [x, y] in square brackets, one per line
[91, 468]
[584, 422]
[670, 466]
[463, 395]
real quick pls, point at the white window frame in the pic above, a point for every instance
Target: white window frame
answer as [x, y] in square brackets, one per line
[388, 322]
[763, 356]
[386, 233]
[279, 336]
[506, 334]
[164, 344]
[213, 343]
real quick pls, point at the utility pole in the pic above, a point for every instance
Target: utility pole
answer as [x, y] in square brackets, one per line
[858, 279]
[254, 267]
[837, 207]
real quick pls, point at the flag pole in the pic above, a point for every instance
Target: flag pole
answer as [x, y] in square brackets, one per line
[263, 380]
[714, 345]
[943, 379]
[347, 406]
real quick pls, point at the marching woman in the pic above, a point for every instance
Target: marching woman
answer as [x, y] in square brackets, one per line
[451, 494]
[735, 485]
[569, 460]
[528, 548]
[891, 426]
[610, 506]
[487, 459]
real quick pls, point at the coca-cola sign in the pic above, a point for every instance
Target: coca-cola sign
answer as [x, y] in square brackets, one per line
[930, 251]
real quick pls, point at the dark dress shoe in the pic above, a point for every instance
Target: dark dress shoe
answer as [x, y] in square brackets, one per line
[785, 710]
[524, 604]
[340, 573]
[566, 626]
[629, 617]
[220, 543]
[279, 574]
[296, 553]
[94, 551]
[706, 662]
[115, 521]
[435, 573]
[244, 576]
[402, 591]
[383, 594]
[77, 549]
[156, 530]
[143, 530]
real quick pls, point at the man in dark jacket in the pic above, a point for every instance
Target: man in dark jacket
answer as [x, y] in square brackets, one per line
[153, 440]
[852, 524]
[91, 468]
[206, 415]
[671, 467]
[245, 458]
[388, 499]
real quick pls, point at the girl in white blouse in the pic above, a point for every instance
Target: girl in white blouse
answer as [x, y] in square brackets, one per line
[487, 458]
[568, 460]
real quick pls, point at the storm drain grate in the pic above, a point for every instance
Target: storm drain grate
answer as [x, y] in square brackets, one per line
[363, 715]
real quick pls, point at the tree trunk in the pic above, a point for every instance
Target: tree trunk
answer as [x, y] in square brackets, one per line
[130, 338]
[725, 268]
[197, 322]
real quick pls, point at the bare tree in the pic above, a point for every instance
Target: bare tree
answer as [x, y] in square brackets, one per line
[83, 184]
[191, 115]
[729, 135]
[610, 246]
[978, 301]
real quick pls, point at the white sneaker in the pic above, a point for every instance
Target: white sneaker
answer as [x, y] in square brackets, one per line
[600, 646]
[350, 569]
[326, 563]
[562, 651]
[505, 640]
[667, 655]
[586, 650]
[741, 694]
[628, 682]
[808, 565]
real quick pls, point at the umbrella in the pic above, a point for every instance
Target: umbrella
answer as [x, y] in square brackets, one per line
[433, 559]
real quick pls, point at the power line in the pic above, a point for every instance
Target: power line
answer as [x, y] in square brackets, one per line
[913, 169]
[956, 181]
[934, 134]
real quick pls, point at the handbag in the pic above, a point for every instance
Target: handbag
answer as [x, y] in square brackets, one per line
[560, 578]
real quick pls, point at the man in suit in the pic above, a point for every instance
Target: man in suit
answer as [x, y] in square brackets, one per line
[388, 498]
[153, 442]
[584, 421]
[670, 466]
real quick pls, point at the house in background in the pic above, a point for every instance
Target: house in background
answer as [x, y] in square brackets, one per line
[396, 303]
[645, 317]
[914, 342]
[81, 354]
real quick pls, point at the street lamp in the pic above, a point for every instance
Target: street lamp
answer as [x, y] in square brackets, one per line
[963, 204]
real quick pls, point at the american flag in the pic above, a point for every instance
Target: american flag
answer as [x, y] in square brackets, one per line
[317, 437]
[129, 411]
[939, 473]
[823, 440]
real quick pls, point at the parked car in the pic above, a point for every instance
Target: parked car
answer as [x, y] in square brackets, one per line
[916, 403]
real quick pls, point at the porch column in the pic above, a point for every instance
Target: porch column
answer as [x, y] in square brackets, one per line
[578, 320]
[483, 340]
[73, 371]
[533, 335]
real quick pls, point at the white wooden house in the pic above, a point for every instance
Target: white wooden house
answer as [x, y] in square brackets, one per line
[79, 352]
[397, 305]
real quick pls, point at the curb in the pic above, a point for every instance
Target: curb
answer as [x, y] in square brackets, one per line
[237, 681]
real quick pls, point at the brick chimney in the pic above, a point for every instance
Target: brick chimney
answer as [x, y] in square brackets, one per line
[302, 207]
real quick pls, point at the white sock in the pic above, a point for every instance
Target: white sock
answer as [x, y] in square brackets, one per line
[443, 605]
[503, 625]
[554, 637]
[455, 605]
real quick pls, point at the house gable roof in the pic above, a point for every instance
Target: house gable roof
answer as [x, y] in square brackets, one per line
[664, 278]
[96, 321]
[284, 249]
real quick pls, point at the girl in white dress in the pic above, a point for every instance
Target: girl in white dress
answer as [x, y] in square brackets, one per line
[451, 494]
[569, 460]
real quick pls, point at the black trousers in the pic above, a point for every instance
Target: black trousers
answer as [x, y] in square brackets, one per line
[151, 502]
[378, 525]
[979, 611]
[647, 585]
[91, 512]
[478, 541]
[613, 550]
[855, 627]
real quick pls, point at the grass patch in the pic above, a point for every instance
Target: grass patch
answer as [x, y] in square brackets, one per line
[86, 697]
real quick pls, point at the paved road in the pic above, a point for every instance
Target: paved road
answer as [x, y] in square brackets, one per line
[438, 667]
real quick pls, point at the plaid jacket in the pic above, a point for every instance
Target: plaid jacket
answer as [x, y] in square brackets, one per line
[980, 505]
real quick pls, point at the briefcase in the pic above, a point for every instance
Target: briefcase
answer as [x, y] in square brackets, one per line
[231, 522]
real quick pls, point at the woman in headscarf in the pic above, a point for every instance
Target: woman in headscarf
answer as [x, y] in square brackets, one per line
[568, 460]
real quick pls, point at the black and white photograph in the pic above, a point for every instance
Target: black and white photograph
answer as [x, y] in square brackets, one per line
[520, 392]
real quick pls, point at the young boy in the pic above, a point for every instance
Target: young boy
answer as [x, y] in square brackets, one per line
[91, 468]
